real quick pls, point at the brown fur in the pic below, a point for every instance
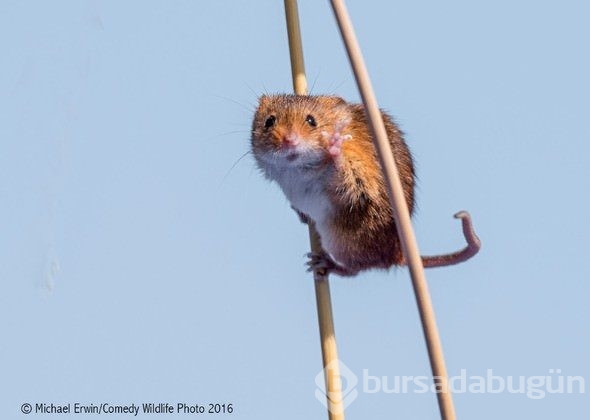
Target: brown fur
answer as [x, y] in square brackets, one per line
[362, 219]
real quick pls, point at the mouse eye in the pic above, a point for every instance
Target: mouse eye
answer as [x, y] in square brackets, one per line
[311, 121]
[270, 121]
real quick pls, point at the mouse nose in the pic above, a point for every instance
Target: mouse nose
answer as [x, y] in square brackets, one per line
[291, 139]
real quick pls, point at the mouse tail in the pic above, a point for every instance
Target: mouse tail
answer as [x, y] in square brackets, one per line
[472, 248]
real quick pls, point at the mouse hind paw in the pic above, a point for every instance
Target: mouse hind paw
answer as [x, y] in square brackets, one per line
[322, 262]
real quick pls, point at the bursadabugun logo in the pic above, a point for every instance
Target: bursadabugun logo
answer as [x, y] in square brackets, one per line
[344, 393]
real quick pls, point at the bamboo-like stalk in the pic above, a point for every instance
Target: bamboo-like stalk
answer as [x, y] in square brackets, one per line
[333, 384]
[400, 209]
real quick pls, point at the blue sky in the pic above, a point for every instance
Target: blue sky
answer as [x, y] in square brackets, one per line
[138, 264]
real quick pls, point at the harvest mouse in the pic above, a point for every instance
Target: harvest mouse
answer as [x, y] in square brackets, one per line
[320, 152]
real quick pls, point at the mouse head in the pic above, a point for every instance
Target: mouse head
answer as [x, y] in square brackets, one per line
[287, 129]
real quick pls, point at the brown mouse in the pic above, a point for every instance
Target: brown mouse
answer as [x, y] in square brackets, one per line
[320, 152]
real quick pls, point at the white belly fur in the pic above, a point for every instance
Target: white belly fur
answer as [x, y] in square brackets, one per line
[307, 196]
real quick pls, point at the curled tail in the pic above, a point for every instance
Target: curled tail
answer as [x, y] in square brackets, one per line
[472, 248]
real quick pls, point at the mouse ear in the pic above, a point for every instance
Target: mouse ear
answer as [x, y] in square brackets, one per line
[336, 100]
[263, 99]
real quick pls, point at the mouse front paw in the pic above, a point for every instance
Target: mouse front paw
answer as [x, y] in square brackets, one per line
[304, 218]
[336, 139]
